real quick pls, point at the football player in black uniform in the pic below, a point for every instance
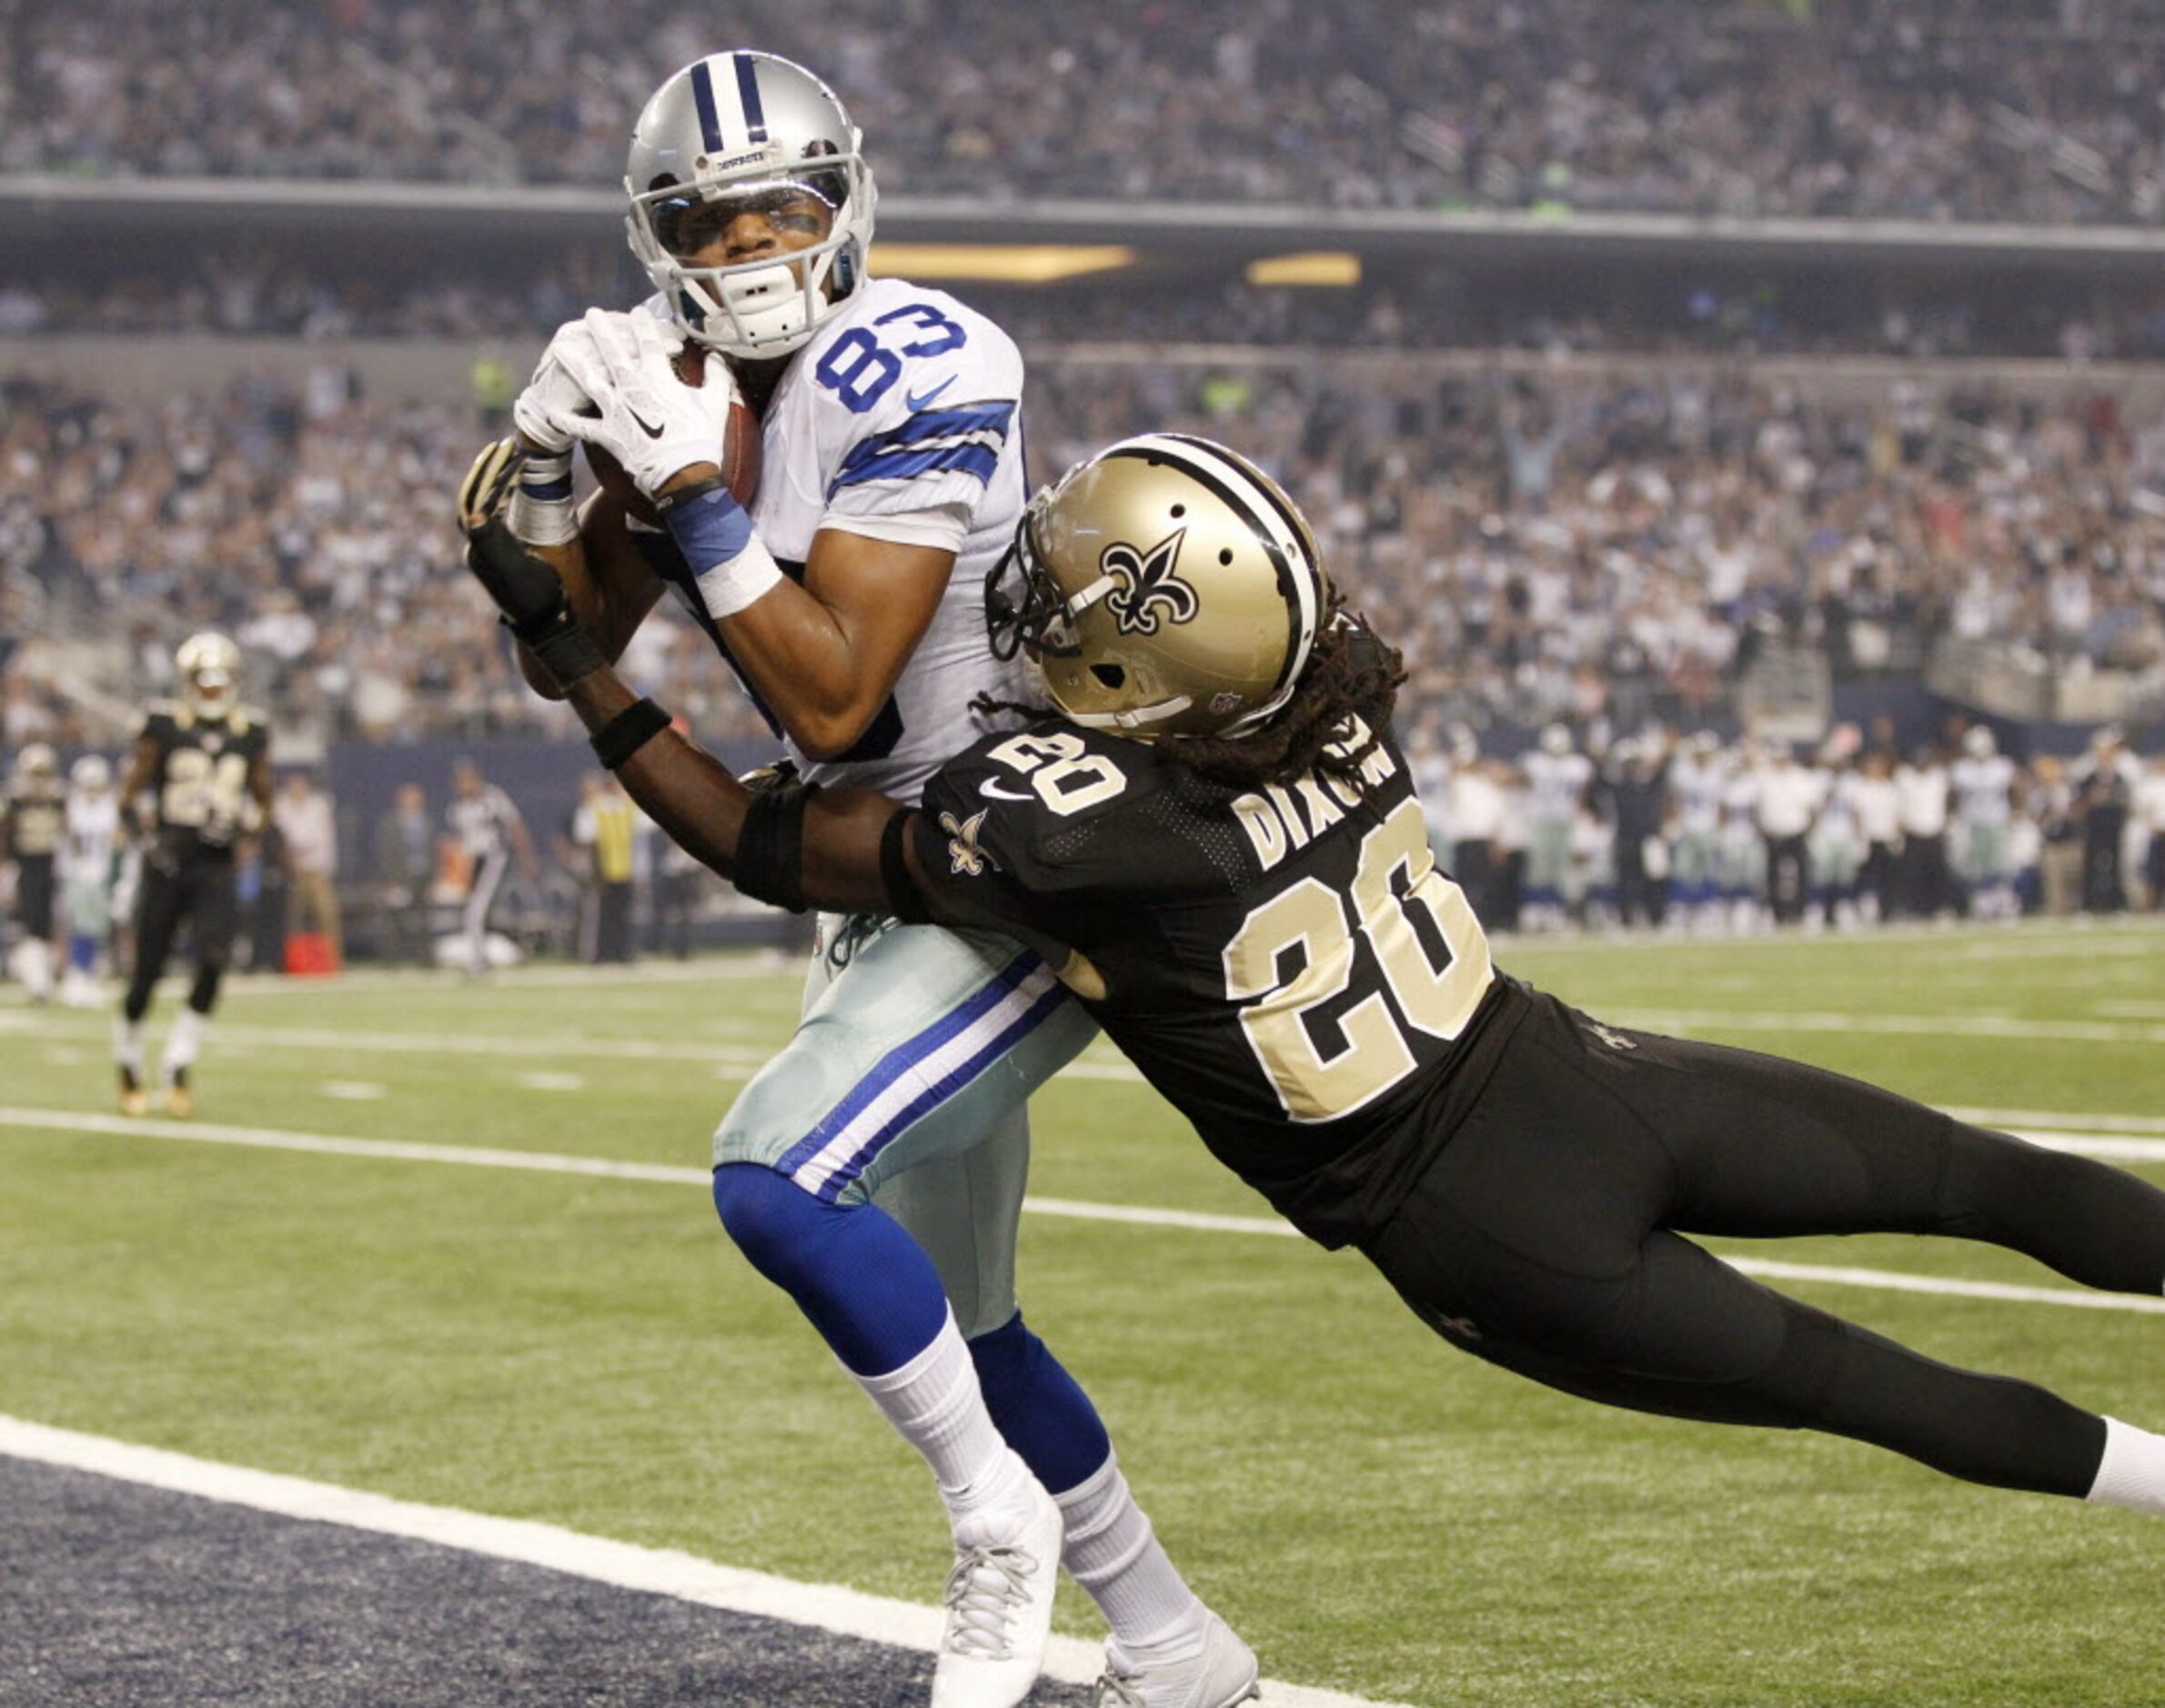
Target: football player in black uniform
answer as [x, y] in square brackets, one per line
[1214, 841]
[200, 780]
[33, 822]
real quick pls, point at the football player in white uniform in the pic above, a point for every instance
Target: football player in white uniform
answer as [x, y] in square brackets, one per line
[89, 871]
[848, 598]
[1983, 785]
[1558, 775]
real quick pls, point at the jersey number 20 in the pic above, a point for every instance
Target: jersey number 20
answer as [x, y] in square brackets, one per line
[1428, 949]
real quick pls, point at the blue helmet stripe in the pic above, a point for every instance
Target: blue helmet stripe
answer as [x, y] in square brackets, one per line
[747, 93]
[702, 92]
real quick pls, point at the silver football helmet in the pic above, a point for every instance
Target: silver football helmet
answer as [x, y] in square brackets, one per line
[734, 127]
[37, 762]
[90, 775]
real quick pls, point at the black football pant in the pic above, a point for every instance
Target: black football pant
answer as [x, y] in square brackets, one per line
[202, 892]
[1548, 1238]
[35, 888]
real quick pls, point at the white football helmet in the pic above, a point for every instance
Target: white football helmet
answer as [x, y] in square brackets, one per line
[733, 127]
[90, 775]
[37, 760]
[1976, 741]
[1167, 587]
[209, 666]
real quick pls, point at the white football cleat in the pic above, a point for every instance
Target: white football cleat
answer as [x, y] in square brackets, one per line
[1223, 1673]
[999, 1605]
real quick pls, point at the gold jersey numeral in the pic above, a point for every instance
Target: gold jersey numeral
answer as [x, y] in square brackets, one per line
[1433, 989]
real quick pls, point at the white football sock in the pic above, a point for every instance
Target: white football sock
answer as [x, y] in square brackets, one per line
[935, 1404]
[37, 969]
[2132, 1472]
[183, 1042]
[127, 1044]
[1112, 1552]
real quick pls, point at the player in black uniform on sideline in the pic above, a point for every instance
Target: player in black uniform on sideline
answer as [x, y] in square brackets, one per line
[198, 782]
[33, 823]
[1214, 841]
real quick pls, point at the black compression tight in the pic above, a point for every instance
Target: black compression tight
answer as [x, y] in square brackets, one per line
[1548, 1238]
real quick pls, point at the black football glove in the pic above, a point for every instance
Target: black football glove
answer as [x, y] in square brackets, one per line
[527, 588]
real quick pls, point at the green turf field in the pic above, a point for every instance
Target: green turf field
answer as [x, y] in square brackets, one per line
[1374, 1511]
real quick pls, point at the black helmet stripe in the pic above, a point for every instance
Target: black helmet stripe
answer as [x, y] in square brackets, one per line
[1195, 458]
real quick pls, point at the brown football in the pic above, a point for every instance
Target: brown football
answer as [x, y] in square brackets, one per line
[738, 453]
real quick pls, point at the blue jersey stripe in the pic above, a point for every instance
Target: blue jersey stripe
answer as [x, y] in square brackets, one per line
[702, 95]
[934, 424]
[980, 460]
[748, 96]
[940, 1090]
[904, 1056]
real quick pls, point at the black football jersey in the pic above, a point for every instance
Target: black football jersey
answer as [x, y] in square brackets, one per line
[36, 815]
[201, 779]
[1287, 966]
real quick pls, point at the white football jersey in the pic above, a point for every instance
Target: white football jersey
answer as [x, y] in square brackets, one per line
[93, 833]
[481, 823]
[904, 402]
[1697, 786]
[1556, 781]
[1981, 788]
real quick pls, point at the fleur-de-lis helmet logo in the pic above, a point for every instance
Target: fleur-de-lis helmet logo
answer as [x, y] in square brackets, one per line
[1147, 582]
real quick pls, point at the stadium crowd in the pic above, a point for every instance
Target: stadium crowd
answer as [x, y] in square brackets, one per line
[261, 292]
[1851, 107]
[1619, 550]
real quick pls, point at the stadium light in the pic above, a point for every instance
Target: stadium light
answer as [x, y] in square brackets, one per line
[1319, 266]
[1001, 263]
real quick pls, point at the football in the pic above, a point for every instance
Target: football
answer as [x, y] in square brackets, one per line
[738, 452]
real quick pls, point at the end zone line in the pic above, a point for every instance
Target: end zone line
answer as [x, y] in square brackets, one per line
[828, 1607]
[606, 1168]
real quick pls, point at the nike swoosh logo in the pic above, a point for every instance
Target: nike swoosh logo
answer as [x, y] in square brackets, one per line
[991, 791]
[651, 432]
[919, 400]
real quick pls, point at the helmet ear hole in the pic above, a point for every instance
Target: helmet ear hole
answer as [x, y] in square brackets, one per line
[1111, 675]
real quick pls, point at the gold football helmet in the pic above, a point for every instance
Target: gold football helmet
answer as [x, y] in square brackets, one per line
[209, 666]
[1168, 587]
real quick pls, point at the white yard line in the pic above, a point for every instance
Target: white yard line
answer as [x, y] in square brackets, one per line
[2059, 1119]
[653, 1571]
[551, 1163]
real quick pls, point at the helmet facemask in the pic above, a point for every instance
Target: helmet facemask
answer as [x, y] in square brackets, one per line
[688, 155]
[1165, 587]
[209, 666]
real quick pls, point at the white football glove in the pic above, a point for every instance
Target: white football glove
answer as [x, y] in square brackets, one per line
[651, 421]
[553, 392]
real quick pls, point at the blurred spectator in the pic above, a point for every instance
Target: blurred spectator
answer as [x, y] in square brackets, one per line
[405, 871]
[309, 832]
[2016, 110]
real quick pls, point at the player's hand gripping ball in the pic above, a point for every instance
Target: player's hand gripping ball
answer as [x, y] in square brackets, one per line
[738, 454]
[644, 402]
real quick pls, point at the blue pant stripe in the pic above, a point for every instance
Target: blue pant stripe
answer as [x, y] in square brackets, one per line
[939, 1092]
[896, 1061]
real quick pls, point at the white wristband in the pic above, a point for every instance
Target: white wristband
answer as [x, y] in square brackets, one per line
[735, 582]
[544, 521]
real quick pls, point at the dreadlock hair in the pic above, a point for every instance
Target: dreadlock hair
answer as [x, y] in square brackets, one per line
[1352, 672]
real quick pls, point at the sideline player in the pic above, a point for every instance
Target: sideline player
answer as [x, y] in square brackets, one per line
[89, 874]
[33, 820]
[1254, 915]
[847, 600]
[483, 826]
[200, 780]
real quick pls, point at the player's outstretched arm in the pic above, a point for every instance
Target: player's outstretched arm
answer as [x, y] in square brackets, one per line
[804, 848]
[609, 586]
